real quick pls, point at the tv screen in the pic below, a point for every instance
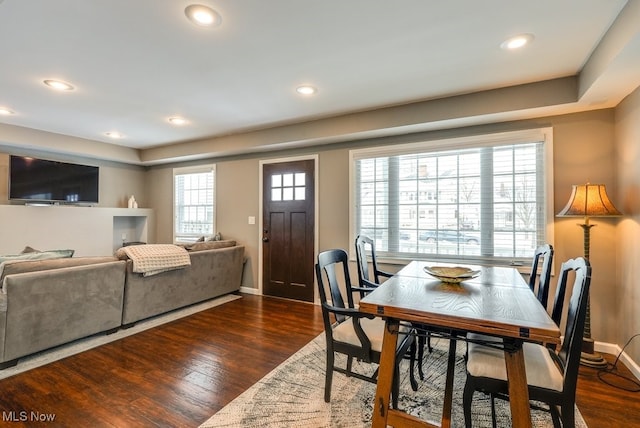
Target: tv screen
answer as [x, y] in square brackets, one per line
[41, 180]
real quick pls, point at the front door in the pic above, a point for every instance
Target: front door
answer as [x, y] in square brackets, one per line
[288, 229]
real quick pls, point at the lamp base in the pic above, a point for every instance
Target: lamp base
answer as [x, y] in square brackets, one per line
[593, 360]
[590, 358]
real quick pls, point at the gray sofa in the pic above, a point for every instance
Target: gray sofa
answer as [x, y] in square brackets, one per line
[213, 272]
[46, 303]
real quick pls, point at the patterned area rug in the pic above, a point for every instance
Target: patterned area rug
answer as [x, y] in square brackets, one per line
[292, 395]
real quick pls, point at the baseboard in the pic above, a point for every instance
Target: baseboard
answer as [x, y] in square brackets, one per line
[609, 348]
[249, 290]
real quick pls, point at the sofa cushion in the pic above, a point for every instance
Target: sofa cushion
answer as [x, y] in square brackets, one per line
[13, 267]
[210, 245]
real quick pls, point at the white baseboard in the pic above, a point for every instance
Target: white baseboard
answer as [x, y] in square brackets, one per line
[250, 290]
[609, 348]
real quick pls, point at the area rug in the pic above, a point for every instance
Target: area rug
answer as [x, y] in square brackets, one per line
[63, 351]
[292, 395]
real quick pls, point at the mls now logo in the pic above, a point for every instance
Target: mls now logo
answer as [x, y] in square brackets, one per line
[24, 416]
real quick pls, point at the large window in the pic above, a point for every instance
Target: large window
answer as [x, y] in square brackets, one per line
[194, 203]
[481, 199]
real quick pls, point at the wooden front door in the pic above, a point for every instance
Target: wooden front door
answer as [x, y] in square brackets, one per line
[288, 229]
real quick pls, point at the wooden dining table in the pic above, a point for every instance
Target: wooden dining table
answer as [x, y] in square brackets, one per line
[498, 302]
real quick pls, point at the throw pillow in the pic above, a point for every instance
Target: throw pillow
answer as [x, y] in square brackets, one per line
[120, 254]
[39, 255]
[28, 249]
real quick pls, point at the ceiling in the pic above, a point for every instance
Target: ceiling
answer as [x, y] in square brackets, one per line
[136, 63]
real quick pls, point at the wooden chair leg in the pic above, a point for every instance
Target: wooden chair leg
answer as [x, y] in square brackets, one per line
[494, 423]
[412, 360]
[421, 341]
[328, 377]
[349, 365]
[467, 397]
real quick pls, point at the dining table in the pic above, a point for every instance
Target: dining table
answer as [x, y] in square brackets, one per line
[493, 301]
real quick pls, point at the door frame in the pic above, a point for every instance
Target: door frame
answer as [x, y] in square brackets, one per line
[316, 222]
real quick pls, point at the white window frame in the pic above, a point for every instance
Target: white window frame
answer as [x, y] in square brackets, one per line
[185, 171]
[485, 140]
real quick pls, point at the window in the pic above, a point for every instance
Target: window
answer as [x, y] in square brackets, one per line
[194, 203]
[288, 187]
[477, 199]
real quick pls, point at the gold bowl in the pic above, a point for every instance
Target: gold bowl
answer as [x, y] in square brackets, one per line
[451, 274]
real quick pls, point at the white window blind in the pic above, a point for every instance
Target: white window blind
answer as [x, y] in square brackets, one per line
[194, 203]
[475, 199]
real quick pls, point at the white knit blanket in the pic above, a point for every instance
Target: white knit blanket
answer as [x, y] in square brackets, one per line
[152, 259]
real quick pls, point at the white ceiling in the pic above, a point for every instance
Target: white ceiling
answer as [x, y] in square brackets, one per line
[135, 63]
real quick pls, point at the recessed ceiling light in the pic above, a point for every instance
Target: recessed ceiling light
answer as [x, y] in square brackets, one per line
[203, 16]
[114, 134]
[306, 90]
[5, 111]
[517, 42]
[58, 85]
[177, 120]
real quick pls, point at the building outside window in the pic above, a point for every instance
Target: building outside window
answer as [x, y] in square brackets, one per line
[477, 199]
[194, 203]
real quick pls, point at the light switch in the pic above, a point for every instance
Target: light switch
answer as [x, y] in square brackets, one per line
[252, 220]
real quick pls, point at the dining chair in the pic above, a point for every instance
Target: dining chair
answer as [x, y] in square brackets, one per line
[552, 374]
[539, 285]
[348, 331]
[367, 284]
[368, 279]
[545, 253]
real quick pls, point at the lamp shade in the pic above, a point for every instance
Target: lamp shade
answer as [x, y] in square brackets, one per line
[589, 200]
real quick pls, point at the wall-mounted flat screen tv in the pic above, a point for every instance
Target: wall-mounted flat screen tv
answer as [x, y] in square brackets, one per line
[40, 180]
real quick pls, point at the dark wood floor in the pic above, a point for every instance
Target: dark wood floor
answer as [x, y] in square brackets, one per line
[179, 374]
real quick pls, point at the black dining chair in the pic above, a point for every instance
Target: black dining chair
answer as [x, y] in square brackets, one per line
[348, 331]
[368, 282]
[543, 253]
[539, 285]
[368, 279]
[552, 374]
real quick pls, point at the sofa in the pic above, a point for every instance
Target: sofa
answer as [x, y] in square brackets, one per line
[50, 302]
[215, 269]
[46, 303]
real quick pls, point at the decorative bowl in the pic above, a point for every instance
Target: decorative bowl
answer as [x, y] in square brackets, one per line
[451, 274]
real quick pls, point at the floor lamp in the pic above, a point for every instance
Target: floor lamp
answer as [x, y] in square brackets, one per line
[589, 200]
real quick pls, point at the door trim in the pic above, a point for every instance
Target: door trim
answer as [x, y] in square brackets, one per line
[261, 164]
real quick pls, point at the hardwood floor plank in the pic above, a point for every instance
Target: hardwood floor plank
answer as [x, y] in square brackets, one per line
[181, 373]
